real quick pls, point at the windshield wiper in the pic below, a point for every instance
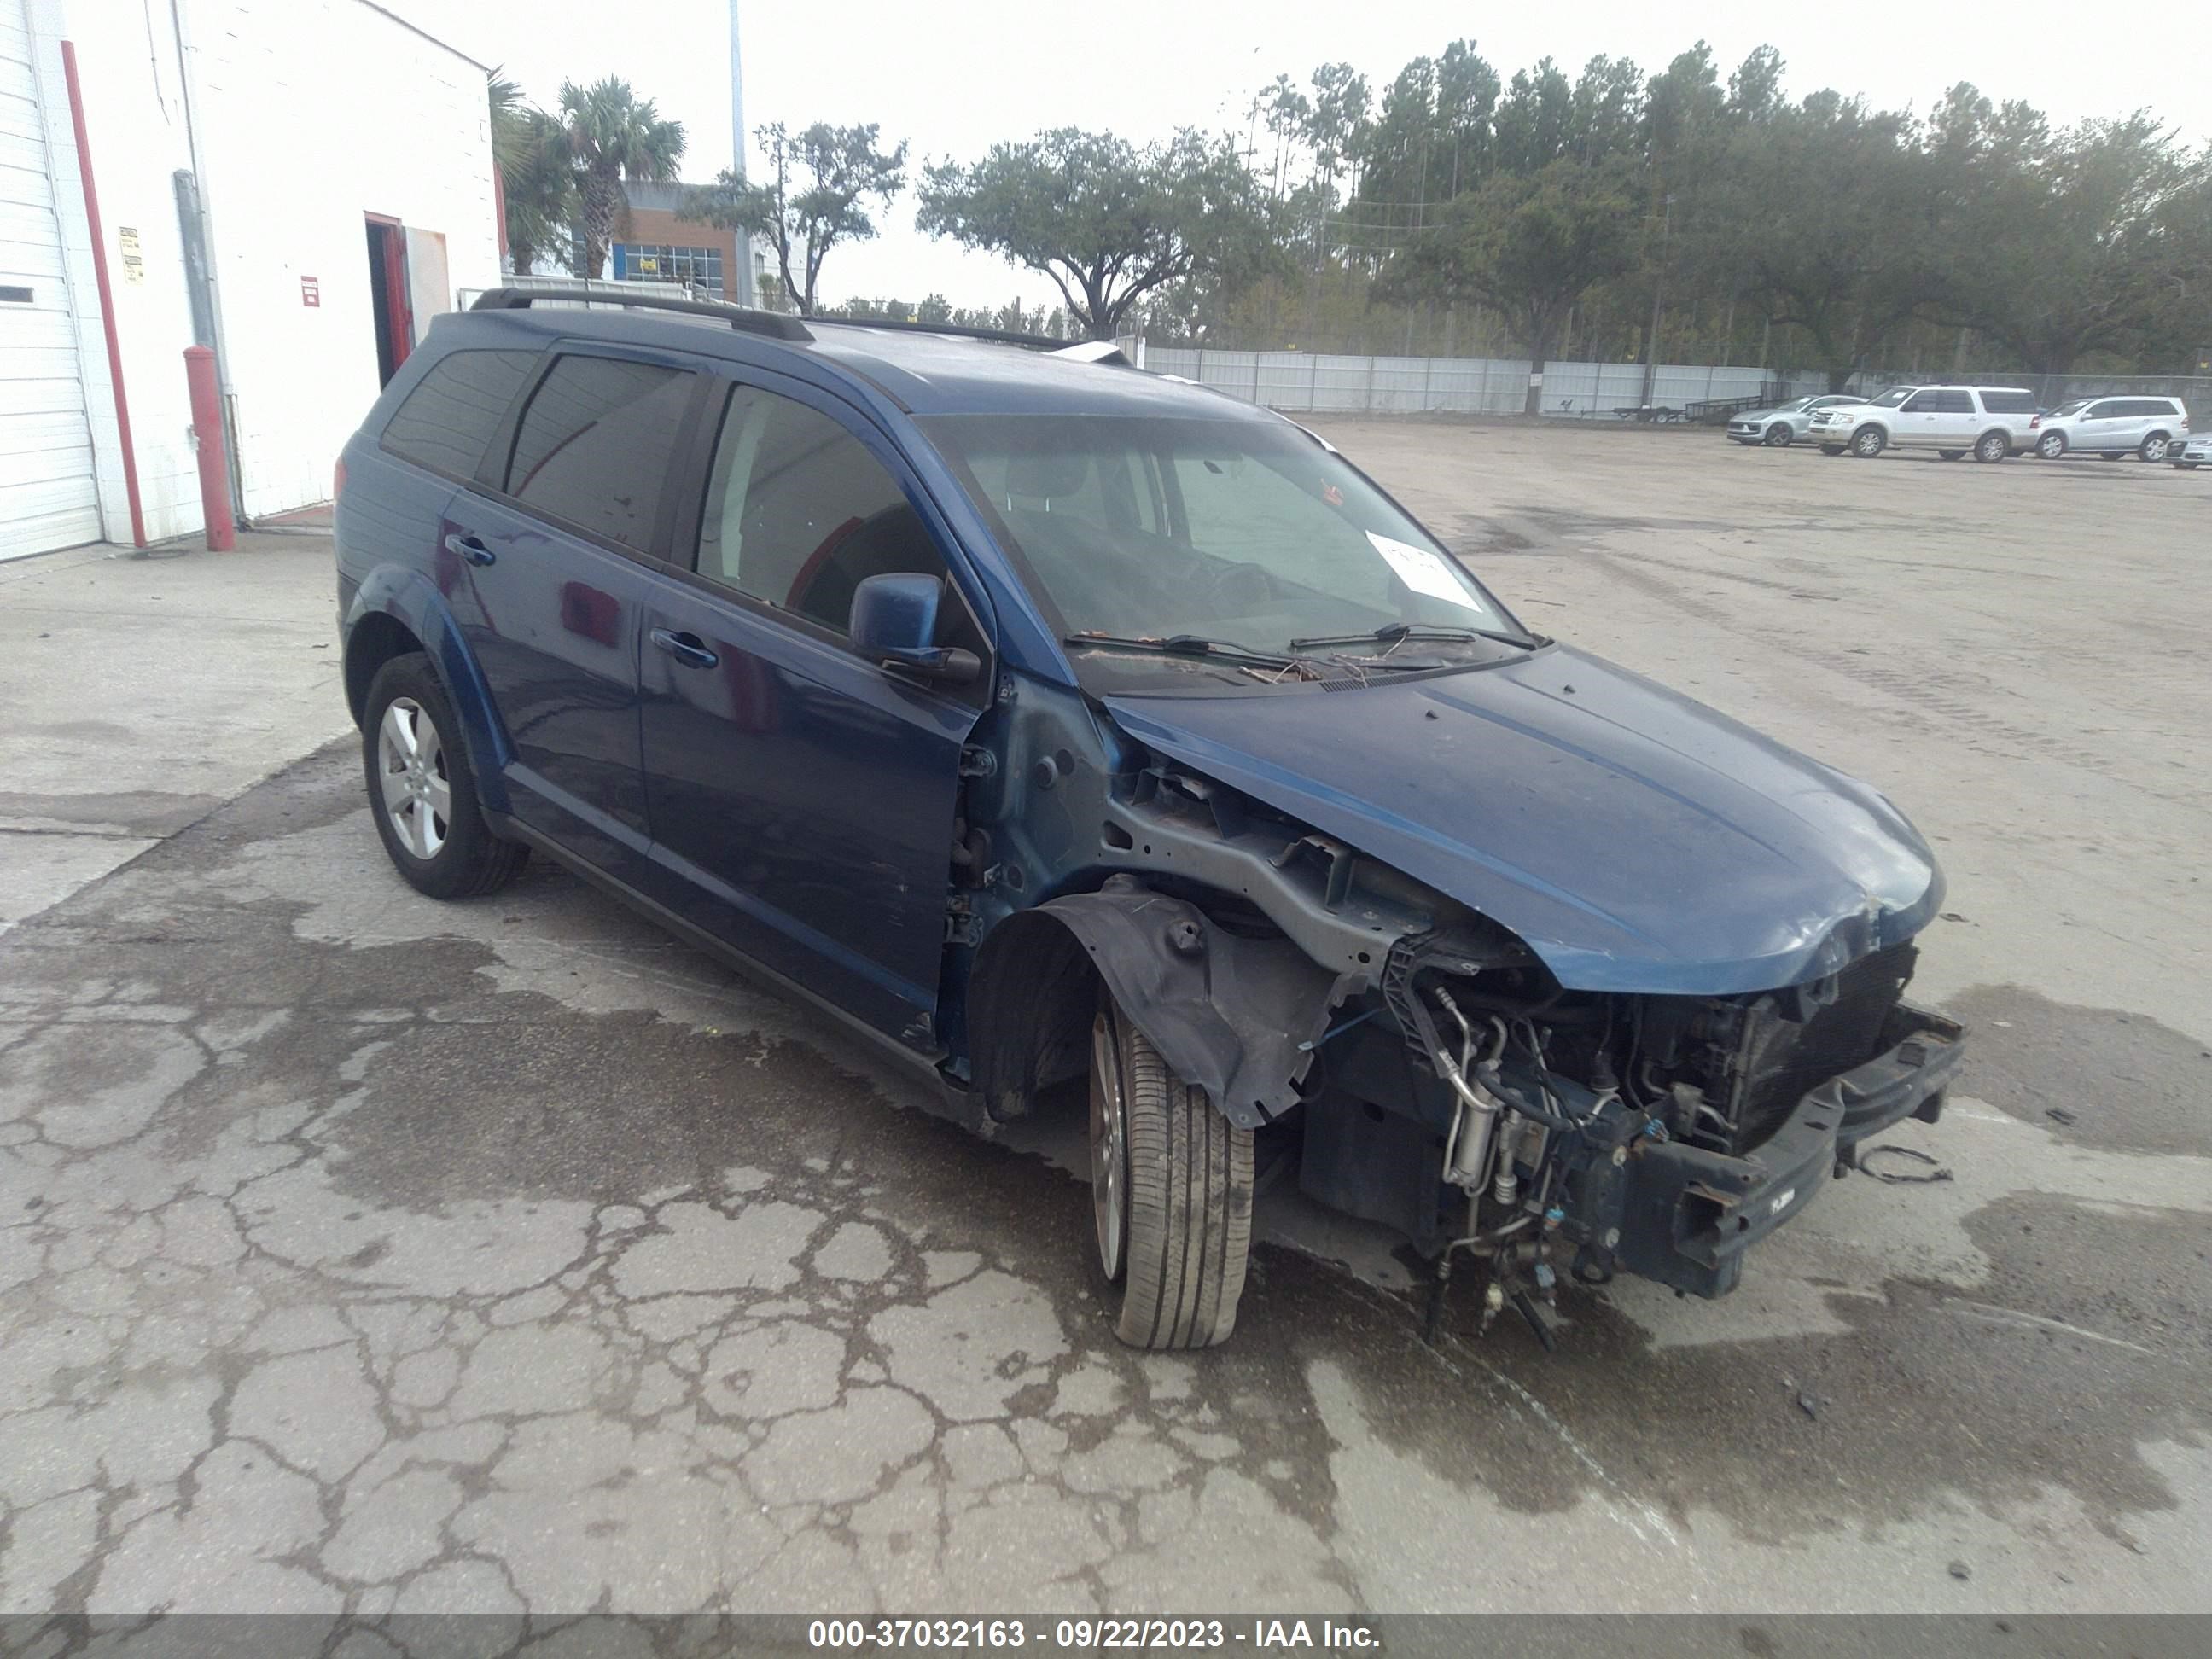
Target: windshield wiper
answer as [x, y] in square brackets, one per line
[1184, 645]
[1397, 632]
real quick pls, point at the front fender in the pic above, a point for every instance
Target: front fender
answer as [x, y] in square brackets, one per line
[411, 599]
[1229, 1013]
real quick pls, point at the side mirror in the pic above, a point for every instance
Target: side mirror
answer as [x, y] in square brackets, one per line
[894, 624]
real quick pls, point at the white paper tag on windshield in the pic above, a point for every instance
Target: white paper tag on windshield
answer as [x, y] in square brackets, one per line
[1425, 572]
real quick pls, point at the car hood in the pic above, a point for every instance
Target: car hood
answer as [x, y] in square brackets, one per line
[1635, 839]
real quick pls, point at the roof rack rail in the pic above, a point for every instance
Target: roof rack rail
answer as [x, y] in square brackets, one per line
[962, 331]
[774, 325]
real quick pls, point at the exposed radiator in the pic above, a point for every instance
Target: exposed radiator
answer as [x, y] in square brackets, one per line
[1779, 1060]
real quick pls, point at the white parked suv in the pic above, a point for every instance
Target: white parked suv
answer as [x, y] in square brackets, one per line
[1986, 422]
[2113, 427]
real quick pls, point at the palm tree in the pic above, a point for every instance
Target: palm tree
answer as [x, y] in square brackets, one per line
[537, 180]
[612, 136]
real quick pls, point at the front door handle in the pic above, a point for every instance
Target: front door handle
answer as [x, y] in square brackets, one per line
[687, 648]
[469, 548]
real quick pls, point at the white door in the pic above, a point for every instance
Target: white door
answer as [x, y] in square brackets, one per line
[2103, 426]
[47, 496]
[1958, 422]
[1914, 424]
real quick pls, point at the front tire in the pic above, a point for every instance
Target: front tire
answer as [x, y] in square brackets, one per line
[1868, 442]
[1832, 449]
[1992, 447]
[1171, 1194]
[421, 790]
[1779, 435]
[2050, 446]
[2155, 446]
[1951, 454]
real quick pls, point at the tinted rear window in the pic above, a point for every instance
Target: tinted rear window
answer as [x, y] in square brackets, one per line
[2008, 403]
[595, 444]
[444, 423]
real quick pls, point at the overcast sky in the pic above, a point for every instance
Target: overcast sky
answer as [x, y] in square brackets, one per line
[953, 79]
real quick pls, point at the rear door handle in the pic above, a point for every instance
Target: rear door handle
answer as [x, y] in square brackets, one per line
[469, 548]
[686, 648]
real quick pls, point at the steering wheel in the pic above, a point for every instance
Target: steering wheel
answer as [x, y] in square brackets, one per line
[1237, 587]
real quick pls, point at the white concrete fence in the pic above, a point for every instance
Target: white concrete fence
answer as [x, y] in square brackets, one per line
[1316, 382]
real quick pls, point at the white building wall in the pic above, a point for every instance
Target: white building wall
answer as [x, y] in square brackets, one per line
[308, 115]
[135, 129]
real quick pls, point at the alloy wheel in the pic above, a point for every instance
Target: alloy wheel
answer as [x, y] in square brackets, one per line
[1110, 1146]
[418, 793]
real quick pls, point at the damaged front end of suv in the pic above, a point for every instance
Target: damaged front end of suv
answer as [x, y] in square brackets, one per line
[1476, 935]
[1411, 1061]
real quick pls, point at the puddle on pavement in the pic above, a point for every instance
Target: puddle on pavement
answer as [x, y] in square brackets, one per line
[2100, 1076]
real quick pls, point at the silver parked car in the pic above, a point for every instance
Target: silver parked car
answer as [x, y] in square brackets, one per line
[1785, 423]
[2114, 427]
[2192, 452]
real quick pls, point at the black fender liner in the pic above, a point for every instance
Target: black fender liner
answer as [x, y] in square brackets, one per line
[1229, 1014]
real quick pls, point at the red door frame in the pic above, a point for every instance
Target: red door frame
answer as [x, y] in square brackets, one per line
[399, 314]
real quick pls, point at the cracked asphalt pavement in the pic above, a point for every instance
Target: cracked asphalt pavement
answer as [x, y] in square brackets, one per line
[358, 1253]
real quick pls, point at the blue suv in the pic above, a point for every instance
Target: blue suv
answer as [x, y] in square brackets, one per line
[1075, 733]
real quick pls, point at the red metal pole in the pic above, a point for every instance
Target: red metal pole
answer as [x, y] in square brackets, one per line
[207, 438]
[106, 293]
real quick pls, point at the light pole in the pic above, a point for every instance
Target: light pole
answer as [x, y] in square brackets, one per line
[748, 290]
[1658, 296]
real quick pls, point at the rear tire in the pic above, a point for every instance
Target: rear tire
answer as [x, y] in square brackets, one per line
[1832, 449]
[1991, 447]
[423, 791]
[1950, 454]
[2115, 454]
[1171, 1194]
[1868, 441]
[2155, 446]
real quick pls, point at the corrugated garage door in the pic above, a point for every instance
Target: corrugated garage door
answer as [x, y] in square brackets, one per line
[47, 497]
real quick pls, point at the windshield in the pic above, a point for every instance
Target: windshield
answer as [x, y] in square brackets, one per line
[1245, 532]
[2073, 407]
[1894, 397]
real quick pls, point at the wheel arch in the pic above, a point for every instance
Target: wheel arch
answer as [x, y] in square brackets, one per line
[1229, 1011]
[395, 611]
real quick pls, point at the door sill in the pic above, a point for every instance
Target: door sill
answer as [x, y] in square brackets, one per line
[961, 1103]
